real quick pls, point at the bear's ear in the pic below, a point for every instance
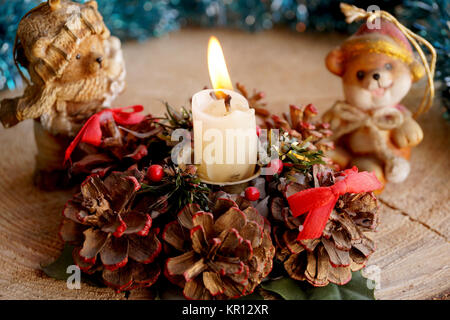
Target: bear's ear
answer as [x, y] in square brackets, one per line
[417, 70]
[335, 62]
[92, 4]
[54, 4]
[39, 49]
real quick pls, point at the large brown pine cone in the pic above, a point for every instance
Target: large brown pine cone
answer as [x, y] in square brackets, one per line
[343, 246]
[225, 253]
[100, 221]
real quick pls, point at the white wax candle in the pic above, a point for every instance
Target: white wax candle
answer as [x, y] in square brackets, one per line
[225, 141]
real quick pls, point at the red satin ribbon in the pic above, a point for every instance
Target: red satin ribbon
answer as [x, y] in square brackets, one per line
[319, 202]
[91, 132]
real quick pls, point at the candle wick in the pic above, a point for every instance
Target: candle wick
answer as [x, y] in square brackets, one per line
[228, 102]
[216, 95]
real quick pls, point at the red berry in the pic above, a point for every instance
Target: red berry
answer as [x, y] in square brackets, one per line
[276, 166]
[258, 131]
[252, 193]
[155, 173]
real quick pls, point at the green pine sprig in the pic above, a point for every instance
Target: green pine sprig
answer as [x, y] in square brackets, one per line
[300, 154]
[178, 119]
[179, 189]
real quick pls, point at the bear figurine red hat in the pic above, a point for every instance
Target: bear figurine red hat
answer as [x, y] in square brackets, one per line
[387, 39]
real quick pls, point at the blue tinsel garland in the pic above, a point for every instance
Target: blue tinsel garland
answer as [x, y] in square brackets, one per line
[141, 19]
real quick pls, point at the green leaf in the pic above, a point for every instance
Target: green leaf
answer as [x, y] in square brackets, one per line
[287, 288]
[253, 296]
[290, 289]
[357, 288]
[58, 269]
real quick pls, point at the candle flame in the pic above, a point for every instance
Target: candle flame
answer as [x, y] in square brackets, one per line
[218, 71]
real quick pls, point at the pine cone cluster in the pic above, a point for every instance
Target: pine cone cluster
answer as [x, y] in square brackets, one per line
[219, 245]
[222, 254]
[343, 246]
[101, 222]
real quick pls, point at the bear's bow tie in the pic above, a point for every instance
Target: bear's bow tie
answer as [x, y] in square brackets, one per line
[384, 118]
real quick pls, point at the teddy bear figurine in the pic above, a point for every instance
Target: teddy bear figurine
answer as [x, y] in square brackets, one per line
[75, 69]
[372, 130]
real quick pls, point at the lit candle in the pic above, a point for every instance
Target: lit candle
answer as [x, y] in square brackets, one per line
[225, 141]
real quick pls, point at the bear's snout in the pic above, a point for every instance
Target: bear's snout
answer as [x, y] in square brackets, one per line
[378, 78]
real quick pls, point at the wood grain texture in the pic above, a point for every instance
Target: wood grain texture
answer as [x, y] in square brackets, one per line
[413, 247]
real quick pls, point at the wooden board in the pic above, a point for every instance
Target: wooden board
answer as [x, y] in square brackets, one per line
[413, 253]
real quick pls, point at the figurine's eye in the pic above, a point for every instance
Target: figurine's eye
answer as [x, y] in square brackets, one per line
[78, 56]
[388, 66]
[360, 75]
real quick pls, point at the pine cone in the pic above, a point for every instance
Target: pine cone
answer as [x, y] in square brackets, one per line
[120, 148]
[299, 124]
[100, 220]
[343, 247]
[225, 253]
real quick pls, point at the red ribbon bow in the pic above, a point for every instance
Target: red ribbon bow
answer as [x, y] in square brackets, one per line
[91, 132]
[319, 202]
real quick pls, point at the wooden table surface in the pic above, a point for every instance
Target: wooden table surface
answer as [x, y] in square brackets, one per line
[413, 251]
